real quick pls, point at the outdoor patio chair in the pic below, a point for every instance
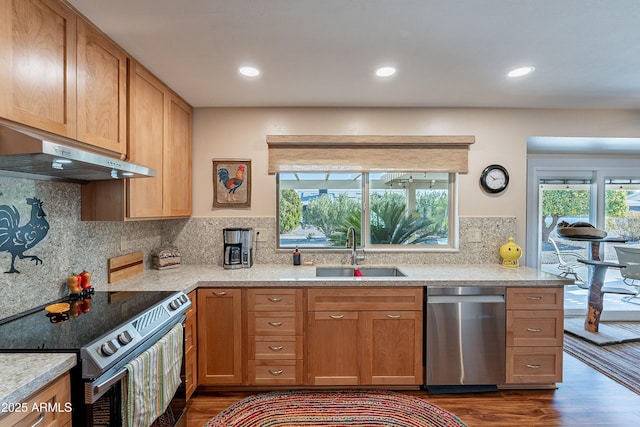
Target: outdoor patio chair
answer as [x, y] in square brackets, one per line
[630, 258]
[568, 263]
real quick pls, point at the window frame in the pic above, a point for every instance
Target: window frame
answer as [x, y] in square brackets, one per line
[365, 243]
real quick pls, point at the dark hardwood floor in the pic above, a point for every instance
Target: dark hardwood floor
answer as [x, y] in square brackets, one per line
[584, 398]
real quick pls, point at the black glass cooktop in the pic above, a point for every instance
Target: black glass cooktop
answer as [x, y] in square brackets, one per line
[86, 320]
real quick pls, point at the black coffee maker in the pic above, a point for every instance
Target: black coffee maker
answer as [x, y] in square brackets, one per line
[238, 247]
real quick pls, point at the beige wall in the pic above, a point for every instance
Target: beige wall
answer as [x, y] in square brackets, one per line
[500, 138]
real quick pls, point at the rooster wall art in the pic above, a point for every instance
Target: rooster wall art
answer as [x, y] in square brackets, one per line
[17, 240]
[232, 184]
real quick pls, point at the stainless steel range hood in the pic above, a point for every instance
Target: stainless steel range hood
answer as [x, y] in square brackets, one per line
[25, 153]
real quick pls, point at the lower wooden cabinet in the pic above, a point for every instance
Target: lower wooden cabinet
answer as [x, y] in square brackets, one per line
[220, 336]
[55, 395]
[333, 351]
[535, 331]
[342, 337]
[191, 347]
[373, 337]
[275, 336]
[270, 337]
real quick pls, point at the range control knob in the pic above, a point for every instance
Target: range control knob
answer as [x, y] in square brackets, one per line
[183, 298]
[175, 304]
[125, 338]
[109, 348]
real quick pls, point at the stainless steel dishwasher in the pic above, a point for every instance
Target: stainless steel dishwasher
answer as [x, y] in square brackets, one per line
[465, 337]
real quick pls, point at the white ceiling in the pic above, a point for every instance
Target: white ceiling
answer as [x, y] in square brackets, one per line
[449, 53]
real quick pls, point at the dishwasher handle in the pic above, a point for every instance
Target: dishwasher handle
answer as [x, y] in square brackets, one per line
[465, 299]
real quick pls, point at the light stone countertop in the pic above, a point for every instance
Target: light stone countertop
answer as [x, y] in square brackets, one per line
[23, 374]
[188, 277]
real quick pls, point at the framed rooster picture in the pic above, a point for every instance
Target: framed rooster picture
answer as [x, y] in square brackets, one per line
[231, 183]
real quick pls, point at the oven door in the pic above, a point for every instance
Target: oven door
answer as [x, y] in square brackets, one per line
[103, 396]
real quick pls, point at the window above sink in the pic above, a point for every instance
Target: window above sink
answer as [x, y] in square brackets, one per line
[394, 210]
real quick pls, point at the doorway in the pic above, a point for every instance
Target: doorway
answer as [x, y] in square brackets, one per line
[602, 192]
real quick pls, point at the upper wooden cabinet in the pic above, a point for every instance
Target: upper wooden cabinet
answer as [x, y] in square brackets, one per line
[38, 65]
[177, 159]
[160, 137]
[148, 120]
[60, 74]
[102, 90]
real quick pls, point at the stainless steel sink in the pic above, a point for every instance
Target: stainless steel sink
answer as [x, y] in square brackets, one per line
[366, 272]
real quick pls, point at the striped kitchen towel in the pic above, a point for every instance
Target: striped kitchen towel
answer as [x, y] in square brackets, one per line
[152, 380]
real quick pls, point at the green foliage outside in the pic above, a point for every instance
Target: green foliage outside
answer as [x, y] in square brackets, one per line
[575, 203]
[622, 221]
[389, 223]
[435, 205]
[290, 210]
[391, 226]
[326, 213]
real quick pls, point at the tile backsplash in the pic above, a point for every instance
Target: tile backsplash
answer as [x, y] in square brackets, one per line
[71, 245]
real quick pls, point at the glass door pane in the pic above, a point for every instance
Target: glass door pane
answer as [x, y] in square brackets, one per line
[563, 200]
[622, 209]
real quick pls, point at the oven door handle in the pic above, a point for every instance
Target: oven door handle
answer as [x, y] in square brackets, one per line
[98, 389]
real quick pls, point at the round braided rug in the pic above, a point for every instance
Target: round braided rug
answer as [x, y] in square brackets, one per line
[341, 408]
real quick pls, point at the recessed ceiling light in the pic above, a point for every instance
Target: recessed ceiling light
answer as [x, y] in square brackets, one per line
[385, 71]
[249, 71]
[521, 71]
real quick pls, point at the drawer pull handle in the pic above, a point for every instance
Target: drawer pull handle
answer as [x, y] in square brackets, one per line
[276, 373]
[533, 366]
[337, 316]
[275, 324]
[393, 316]
[277, 348]
[220, 294]
[534, 329]
[274, 299]
[534, 298]
[39, 420]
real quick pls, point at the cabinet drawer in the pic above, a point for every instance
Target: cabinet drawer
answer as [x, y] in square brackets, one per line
[535, 298]
[542, 365]
[274, 300]
[261, 347]
[56, 394]
[274, 323]
[535, 328]
[327, 299]
[275, 372]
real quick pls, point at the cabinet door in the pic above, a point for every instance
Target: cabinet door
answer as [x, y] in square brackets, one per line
[177, 159]
[332, 356]
[102, 95]
[393, 347]
[191, 347]
[38, 65]
[148, 121]
[220, 348]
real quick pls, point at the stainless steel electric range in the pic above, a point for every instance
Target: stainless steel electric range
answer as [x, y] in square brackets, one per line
[105, 330]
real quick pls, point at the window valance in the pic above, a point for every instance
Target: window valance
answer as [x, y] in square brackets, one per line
[368, 153]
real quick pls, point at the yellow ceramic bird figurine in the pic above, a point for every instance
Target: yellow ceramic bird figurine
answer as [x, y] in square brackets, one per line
[510, 253]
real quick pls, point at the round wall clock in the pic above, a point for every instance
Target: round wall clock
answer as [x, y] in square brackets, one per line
[494, 179]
